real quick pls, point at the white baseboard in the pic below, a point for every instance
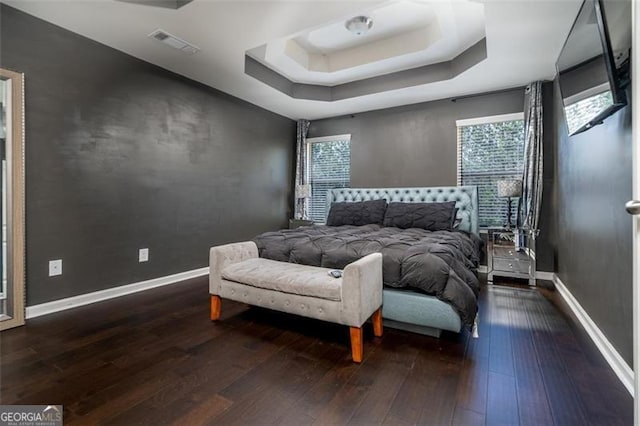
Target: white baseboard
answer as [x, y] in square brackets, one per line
[543, 275]
[110, 293]
[610, 354]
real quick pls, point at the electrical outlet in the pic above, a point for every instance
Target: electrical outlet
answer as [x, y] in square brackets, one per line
[55, 267]
[143, 255]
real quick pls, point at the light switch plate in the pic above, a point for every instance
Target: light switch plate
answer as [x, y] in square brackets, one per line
[55, 267]
[143, 255]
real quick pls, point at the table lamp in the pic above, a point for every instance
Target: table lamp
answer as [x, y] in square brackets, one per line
[302, 193]
[509, 189]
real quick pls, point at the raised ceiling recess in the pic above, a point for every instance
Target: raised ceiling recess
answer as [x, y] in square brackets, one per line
[403, 44]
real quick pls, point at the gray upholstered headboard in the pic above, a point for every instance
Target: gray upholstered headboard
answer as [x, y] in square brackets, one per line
[466, 198]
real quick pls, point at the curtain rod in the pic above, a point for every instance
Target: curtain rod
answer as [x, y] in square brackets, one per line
[495, 92]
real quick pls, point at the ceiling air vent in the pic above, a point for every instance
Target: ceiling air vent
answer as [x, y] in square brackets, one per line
[173, 41]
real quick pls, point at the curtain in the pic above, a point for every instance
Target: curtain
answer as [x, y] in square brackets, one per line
[299, 204]
[529, 208]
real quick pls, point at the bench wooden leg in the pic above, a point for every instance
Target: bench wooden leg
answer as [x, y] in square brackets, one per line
[376, 318]
[216, 305]
[356, 343]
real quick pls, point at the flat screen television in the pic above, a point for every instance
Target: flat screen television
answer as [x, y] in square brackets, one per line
[592, 75]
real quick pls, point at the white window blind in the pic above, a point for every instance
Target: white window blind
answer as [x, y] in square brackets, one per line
[329, 167]
[491, 149]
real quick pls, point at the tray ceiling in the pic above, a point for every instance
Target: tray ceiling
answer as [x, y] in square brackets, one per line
[300, 41]
[405, 34]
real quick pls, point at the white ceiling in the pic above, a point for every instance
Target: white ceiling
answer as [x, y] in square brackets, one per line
[405, 34]
[524, 38]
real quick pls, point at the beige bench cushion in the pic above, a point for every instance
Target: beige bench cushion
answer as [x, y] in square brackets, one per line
[285, 277]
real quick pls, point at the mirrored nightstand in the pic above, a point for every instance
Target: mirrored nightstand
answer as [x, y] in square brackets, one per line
[511, 253]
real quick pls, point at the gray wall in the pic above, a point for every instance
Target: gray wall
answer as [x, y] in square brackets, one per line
[593, 231]
[122, 155]
[413, 145]
[416, 145]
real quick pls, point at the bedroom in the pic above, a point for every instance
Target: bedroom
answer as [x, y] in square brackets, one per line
[133, 145]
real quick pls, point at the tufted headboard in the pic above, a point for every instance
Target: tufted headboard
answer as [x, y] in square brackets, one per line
[466, 198]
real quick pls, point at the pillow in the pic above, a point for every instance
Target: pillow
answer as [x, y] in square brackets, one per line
[429, 216]
[456, 220]
[357, 213]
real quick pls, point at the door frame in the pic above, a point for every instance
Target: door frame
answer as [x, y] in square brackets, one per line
[15, 202]
[635, 102]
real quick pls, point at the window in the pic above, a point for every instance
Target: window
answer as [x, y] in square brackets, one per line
[490, 149]
[329, 166]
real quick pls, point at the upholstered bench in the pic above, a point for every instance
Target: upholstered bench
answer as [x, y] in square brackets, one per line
[237, 273]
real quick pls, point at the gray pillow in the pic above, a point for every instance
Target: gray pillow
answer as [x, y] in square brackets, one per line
[357, 213]
[429, 216]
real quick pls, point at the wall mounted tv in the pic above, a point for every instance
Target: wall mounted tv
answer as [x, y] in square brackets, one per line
[593, 75]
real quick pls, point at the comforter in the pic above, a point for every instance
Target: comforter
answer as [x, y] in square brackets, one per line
[438, 263]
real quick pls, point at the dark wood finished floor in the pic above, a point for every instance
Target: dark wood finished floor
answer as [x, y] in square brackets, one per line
[155, 358]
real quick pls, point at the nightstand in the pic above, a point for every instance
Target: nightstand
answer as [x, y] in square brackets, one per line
[505, 258]
[296, 223]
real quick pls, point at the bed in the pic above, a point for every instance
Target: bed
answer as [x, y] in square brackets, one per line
[430, 276]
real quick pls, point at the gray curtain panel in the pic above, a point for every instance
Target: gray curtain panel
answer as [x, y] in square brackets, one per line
[529, 209]
[301, 164]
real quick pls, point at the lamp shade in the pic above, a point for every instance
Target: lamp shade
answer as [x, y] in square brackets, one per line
[303, 191]
[509, 188]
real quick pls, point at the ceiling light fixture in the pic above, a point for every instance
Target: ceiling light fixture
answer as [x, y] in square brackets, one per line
[359, 25]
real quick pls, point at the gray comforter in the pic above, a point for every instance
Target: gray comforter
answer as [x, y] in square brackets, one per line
[440, 263]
